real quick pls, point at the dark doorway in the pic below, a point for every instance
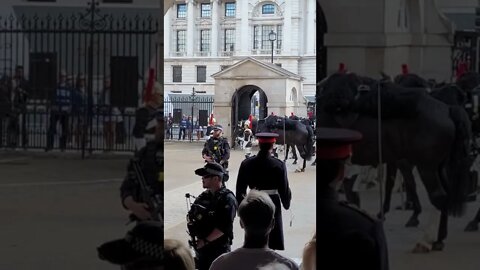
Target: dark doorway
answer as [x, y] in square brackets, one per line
[43, 75]
[124, 81]
[321, 49]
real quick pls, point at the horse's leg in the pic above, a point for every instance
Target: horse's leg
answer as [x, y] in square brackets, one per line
[438, 197]
[390, 182]
[442, 232]
[294, 152]
[407, 173]
[473, 225]
[314, 162]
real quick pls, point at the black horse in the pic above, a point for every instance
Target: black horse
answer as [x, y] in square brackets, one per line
[431, 135]
[459, 95]
[296, 133]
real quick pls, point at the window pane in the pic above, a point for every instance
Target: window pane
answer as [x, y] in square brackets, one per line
[229, 9]
[206, 10]
[266, 43]
[205, 40]
[181, 10]
[181, 40]
[279, 37]
[201, 73]
[229, 45]
[268, 9]
[177, 73]
[256, 37]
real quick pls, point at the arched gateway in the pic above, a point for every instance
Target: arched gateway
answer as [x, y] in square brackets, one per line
[236, 89]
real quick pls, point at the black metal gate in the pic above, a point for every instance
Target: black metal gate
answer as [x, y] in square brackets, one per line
[74, 81]
[196, 110]
[465, 52]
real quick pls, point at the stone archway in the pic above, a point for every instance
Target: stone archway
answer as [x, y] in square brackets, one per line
[242, 101]
[238, 83]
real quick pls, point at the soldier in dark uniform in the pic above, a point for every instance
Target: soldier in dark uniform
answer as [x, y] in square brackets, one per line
[211, 216]
[348, 238]
[150, 160]
[269, 174]
[216, 148]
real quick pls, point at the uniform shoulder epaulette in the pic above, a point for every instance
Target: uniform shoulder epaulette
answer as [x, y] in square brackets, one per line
[358, 210]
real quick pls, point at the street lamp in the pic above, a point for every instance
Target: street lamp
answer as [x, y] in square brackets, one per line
[272, 37]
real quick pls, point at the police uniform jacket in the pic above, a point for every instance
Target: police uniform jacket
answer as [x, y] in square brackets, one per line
[151, 163]
[223, 207]
[347, 237]
[264, 172]
[219, 147]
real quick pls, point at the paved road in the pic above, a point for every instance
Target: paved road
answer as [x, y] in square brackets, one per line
[56, 209]
[182, 158]
[461, 251]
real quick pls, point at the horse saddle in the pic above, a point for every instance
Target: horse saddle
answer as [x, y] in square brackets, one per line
[397, 102]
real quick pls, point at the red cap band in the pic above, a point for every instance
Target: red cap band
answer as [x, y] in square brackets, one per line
[334, 152]
[266, 140]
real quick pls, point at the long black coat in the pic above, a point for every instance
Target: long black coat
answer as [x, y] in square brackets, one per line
[264, 172]
[347, 237]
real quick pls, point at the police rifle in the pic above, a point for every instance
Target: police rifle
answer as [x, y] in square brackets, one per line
[153, 200]
[193, 239]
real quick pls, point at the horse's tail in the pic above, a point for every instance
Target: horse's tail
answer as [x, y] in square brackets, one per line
[309, 144]
[458, 168]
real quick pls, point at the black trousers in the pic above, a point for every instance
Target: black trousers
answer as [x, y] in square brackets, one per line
[208, 254]
[54, 118]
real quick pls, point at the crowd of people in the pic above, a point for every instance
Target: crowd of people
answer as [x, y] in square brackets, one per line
[66, 107]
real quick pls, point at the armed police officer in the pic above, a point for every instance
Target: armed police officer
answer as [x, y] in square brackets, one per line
[142, 190]
[216, 148]
[269, 174]
[210, 219]
[344, 231]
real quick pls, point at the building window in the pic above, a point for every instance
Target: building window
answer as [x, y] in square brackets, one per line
[181, 40]
[268, 9]
[177, 73]
[260, 36]
[205, 40]
[279, 36]
[181, 10]
[230, 9]
[229, 44]
[205, 10]
[201, 73]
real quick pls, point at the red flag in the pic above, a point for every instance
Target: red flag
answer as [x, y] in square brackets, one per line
[149, 89]
[404, 69]
[210, 121]
[342, 68]
[461, 69]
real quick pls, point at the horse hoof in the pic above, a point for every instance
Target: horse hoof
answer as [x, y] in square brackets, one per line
[438, 246]
[314, 164]
[421, 248]
[294, 163]
[413, 222]
[472, 226]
